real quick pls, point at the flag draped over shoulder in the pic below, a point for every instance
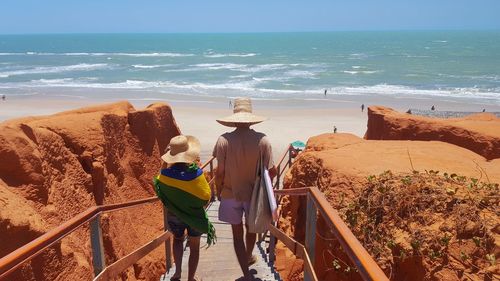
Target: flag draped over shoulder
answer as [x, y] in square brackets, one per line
[185, 191]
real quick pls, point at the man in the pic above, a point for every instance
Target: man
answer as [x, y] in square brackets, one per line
[238, 153]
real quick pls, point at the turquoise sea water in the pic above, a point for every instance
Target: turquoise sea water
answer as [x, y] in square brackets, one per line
[462, 64]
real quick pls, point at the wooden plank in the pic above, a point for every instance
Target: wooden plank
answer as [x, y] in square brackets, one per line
[292, 191]
[289, 242]
[120, 265]
[309, 273]
[297, 249]
[219, 262]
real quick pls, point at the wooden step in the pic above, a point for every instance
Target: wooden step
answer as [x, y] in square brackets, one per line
[219, 263]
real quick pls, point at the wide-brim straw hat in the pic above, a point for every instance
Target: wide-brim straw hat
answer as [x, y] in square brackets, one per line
[242, 114]
[182, 149]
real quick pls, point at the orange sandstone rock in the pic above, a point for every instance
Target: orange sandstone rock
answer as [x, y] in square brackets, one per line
[479, 132]
[339, 164]
[54, 167]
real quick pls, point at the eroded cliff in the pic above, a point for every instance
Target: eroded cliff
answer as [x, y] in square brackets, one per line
[351, 171]
[479, 132]
[54, 167]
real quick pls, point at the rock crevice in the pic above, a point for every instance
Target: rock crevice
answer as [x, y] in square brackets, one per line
[54, 167]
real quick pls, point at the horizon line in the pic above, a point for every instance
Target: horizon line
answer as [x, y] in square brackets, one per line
[257, 32]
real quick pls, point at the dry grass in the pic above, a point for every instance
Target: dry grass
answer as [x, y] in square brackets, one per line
[436, 221]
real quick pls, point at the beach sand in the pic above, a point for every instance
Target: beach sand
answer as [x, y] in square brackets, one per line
[289, 119]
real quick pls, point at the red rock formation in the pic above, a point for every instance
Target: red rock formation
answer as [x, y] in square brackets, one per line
[339, 164]
[479, 132]
[54, 167]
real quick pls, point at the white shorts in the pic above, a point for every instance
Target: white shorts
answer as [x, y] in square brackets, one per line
[231, 211]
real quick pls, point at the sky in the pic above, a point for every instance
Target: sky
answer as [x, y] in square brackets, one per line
[165, 16]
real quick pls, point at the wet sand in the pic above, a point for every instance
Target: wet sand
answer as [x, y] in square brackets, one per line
[289, 119]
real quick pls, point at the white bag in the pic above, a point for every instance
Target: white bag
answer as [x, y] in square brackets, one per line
[260, 214]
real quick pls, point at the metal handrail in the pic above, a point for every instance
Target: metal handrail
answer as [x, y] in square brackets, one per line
[365, 264]
[15, 259]
[367, 267]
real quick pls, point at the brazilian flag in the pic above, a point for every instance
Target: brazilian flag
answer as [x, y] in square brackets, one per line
[184, 191]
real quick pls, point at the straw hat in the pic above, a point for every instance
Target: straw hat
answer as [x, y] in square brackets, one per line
[242, 114]
[182, 149]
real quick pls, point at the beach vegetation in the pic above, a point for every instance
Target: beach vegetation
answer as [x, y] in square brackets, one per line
[443, 220]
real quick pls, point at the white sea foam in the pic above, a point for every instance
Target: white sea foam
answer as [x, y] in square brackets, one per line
[151, 54]
[151, 66]
[230, 66]
[154, 54]
[264, 67]
[472, 77]
[252, 87]
[55, 69]
[386, 89]
[216, 55]
[240, 76]
[353, 72]
[218, 66]
[358, 56]
[300, 74]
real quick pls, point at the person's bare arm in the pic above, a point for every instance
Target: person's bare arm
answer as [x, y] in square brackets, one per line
[219, 180]
[273, 172]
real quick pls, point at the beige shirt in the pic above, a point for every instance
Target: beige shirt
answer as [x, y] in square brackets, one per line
[238, 152]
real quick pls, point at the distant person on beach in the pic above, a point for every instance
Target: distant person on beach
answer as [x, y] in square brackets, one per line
[484, 110]
[230, 103]
[433, 108]
[183, 189]
[3, 97]
[238, 153]
[325, 92]
[362, 107]
[334, 129]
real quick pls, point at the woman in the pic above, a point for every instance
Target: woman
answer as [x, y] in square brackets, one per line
[184, 191]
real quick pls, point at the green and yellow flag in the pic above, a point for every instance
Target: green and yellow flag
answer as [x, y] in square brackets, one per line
[185, 192]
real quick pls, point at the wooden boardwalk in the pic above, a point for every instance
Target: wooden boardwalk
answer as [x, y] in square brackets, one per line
[219, 263]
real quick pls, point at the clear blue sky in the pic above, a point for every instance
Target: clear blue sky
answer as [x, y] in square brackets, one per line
[97, 16]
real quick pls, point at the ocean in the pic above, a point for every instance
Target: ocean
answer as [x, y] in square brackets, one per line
[457, 64]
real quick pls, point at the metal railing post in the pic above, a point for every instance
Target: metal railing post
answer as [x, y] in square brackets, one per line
[310, 232]
[289, 156]
[98, 258]
[272, 247]
[168, 242]
[278, 176]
